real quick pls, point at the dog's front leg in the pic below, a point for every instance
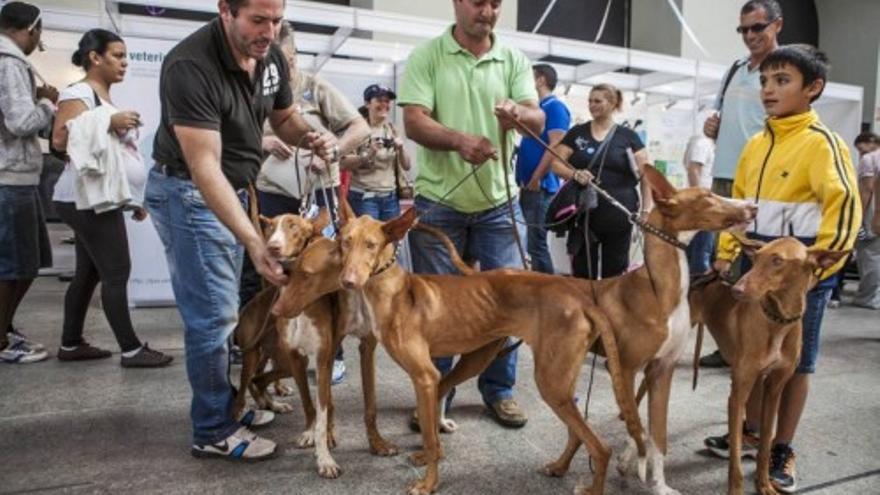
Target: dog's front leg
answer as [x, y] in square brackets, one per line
[773, 387]
[740, 386]
[327, 467]
[378, 445]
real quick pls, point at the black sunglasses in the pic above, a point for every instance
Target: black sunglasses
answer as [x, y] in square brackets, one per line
[756, 28]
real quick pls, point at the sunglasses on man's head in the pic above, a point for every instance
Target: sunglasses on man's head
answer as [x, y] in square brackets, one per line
[756, 28]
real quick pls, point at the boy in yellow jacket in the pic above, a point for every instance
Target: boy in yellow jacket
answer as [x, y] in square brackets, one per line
[799, 174]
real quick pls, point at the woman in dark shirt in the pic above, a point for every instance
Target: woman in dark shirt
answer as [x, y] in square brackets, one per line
[609, 230]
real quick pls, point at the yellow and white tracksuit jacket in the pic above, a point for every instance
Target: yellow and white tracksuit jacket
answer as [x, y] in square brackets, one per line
[800, 175]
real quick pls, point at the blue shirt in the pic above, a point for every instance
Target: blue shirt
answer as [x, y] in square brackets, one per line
[530, 152]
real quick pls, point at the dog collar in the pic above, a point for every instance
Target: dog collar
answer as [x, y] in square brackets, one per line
[661, 234]
[774, 316]
[385, 266]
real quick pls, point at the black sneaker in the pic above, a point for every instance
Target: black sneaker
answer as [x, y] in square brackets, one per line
[720, 445]
[146, 358]
[713, 360]
[83, 352]
[783, 475]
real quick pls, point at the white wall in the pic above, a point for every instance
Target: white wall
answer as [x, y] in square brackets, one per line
[714, 24]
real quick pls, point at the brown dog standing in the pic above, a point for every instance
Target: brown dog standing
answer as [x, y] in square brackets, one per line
[757, 324]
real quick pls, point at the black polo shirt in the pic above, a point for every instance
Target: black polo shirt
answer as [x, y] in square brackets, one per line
[202, 86]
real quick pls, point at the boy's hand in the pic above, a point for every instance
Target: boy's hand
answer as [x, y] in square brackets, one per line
[722, 267]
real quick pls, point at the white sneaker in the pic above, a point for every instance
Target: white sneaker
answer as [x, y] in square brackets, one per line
[16, 336]
[242, 445]
[252, 418]
[19, 352]
[338, 372]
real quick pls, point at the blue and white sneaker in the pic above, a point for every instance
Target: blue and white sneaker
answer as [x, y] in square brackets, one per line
[13, 335]
[338, 372]
[19, 352]
[242, 445]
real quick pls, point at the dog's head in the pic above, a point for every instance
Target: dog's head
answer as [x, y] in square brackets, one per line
[783, 271]
[696, 208]
[314, 274]
[287, 235]
[366, 243]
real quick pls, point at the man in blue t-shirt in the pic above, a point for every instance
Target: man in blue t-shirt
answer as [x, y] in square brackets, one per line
[538, 184]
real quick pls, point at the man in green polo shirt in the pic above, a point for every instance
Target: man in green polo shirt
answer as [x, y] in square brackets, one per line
[452, 88]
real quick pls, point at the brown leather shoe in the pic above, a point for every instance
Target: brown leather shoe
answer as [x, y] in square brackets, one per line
[507, 413]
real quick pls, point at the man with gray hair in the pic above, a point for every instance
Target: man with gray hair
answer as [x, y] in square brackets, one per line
[740, 113]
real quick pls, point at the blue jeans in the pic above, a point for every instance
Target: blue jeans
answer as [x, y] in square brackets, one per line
[534, 206]
[204, 259]
[485, 237]
[382, 206]
[700, 252]
[817, 301]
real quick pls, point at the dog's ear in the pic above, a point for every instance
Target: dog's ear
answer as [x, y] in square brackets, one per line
[823, 258]
[749, 246]
[346, 214]
[396, 229]
[661, 189]
[265, 222]
[320, 222]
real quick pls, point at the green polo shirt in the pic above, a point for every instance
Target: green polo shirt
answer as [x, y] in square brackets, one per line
[461, 91]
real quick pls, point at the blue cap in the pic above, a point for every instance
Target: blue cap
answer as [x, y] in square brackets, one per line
[375, 91]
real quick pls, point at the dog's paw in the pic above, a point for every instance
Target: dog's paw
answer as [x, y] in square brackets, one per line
[306, 439]
[447, 425]
[583, 490]
[283, 390]
[420, 487]
[281, 407]
[383, 448]
[418, 459]
[329, 469]
[555, 469]
[766, 489]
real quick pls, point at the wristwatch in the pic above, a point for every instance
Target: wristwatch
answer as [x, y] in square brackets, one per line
[334, 156]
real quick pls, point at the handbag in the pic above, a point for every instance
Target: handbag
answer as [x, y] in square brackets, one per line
[572, 198]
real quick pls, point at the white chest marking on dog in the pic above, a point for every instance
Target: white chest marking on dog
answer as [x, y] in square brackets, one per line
[302, 335]
[679, 323]
[360, 320]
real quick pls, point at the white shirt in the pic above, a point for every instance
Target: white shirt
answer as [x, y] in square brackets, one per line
[701, 149]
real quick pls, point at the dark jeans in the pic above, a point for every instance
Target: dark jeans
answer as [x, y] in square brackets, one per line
[101, 256]
[534, 207]
[701, 252]
[487, 237]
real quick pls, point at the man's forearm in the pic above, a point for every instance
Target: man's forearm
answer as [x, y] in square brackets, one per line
[291, 128]
[355, 134]
[532, 117]
[866, 192]
[421, 128]
[693, 173]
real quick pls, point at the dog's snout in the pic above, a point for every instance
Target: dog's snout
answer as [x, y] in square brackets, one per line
[738, 290]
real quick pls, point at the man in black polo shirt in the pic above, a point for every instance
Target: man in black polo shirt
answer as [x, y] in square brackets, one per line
[217, 87]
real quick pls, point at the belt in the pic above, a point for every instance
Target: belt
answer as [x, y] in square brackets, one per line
[169, 171]
[372, 194]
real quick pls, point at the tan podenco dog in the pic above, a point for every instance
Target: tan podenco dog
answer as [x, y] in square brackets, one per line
[648, 308]
[757, 325]
[256, 334]
[418, 317]
[316, 332]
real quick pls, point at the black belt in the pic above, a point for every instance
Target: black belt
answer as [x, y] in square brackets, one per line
[169, 171]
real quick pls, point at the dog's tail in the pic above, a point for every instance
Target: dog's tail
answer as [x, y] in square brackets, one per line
[697, 348]
[453, 253]
[625, 400]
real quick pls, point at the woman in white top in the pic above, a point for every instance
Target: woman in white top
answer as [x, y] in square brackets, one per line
[101, 243]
